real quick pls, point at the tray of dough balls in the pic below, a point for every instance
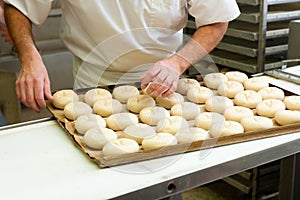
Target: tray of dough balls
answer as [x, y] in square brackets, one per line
[123, 124]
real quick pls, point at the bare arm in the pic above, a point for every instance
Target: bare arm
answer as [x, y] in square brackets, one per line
[33, 83]
[165, 74]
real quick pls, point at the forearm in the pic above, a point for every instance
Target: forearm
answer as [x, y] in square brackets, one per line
[202, 42]
[20, 29]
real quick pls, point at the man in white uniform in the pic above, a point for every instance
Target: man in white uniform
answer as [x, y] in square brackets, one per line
[117, 41]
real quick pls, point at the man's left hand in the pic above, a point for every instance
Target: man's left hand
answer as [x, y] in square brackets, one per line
[161, 79]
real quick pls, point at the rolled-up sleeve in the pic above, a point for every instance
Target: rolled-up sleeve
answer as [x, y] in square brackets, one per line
[213, 11]
[36, 10]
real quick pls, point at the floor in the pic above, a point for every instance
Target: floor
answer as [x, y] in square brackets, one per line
[217, 190]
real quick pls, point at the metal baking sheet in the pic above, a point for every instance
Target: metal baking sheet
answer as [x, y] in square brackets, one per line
[104, 161]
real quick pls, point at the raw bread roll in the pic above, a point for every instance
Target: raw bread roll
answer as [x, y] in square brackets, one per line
[213, 80]
[152, 115]
[206, 120]
[120, 121]
[230, 88]
[269, 107]
[139, 131]
[187, 110]
[184, 84]
[286, 117]
[138, 102]
[218, 104]
[93, 95]
[63, 97]
[191, 134]
[122, 93]
[256, 83]
[120, 147]
[271, 93]
[236, 76]
[158, 141]
[228, 128]
[292, 102]
[168, 102]
[172, 124]
[247, 98]
[96, 138]
[107, 107]
[256, 123]
[73, 110]
[86, 122]
[199, 94]
[236, 113]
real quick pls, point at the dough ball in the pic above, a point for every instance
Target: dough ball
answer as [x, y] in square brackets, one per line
[292, 102]
[236, 76]
[206, 120]
[286, 117]
[271, 93]
[139, 131]
[191, 134]
[172, 124]
[269, 107]
[138, 102]
[168, 102]
[187, 110]
[213, 80]
[122, 93]
[158, 141]
[63, 97]
[120, 147]
[256, 123]
[228, 128]
[236, 113]
[184, 84]
[107, 107]
[199, 94]
[86, 122]
[230, 88]
[120, 121]
[218, 104]
[96, 138]
[247, 98]
[93, 95]
[256, 83]
[152, 115]
[73, 110]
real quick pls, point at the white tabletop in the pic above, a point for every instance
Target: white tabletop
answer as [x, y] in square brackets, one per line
[39, 161]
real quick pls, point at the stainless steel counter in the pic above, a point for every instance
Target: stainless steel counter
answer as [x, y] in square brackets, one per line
[40, 161]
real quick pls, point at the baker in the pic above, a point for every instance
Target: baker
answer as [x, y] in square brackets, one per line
[117, 41]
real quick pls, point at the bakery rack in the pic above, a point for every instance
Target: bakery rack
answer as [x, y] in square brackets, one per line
[258, 39]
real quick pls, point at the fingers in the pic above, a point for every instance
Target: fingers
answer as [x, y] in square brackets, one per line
[32, 92]
[147, 78]
[48, 94]
[161, 83]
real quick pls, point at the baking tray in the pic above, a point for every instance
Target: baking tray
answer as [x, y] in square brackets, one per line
[108, 161]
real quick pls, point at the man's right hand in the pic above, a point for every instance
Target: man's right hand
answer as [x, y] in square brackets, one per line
[33, 85]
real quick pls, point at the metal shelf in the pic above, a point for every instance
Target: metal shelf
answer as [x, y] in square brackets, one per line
[252, 52]
[286, 13]
[270, 2]
[243, 63]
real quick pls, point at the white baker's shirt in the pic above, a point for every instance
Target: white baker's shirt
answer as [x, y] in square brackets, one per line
[116, 41]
